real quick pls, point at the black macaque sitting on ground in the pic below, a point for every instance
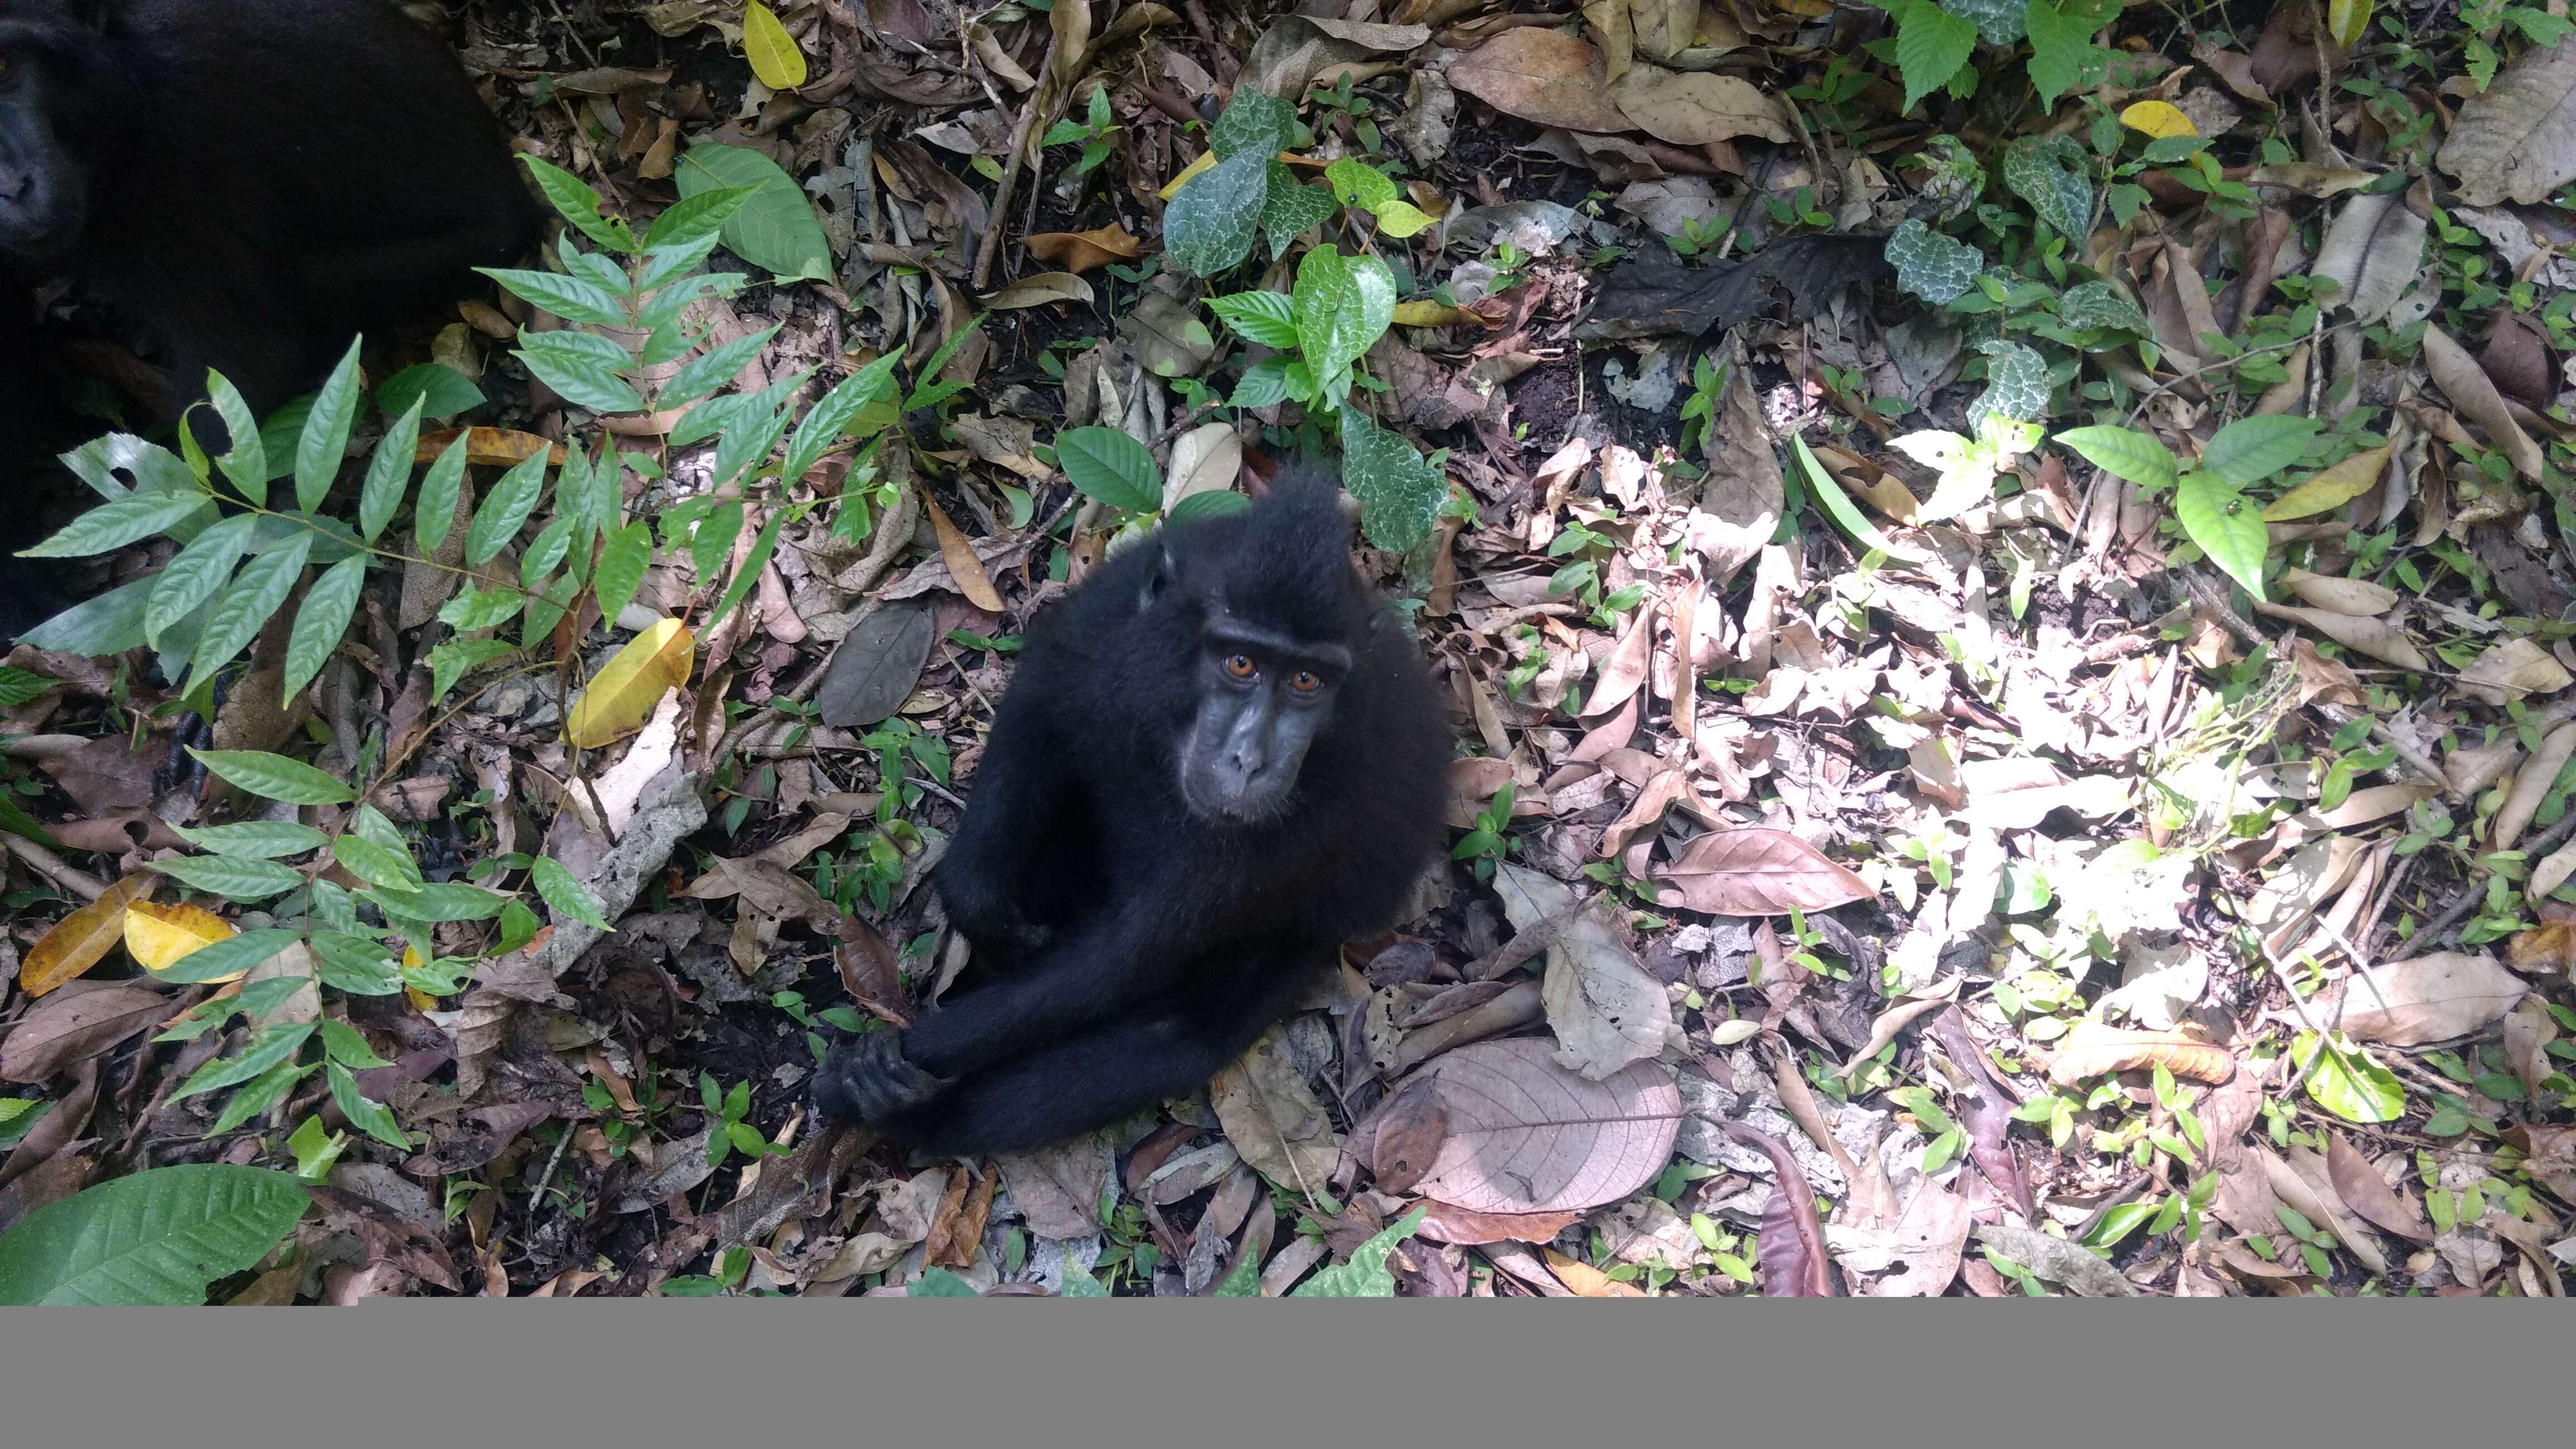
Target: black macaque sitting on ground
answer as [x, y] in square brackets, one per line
[1221, 757]
[244, 184]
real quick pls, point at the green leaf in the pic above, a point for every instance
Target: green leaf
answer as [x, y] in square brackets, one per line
[1263, 384]
[940, 1283]
[253, 599]
[2053, 174]
[1931, 45]
[450, 660]
[566, 896]
[247, 464]
[583, 367]
[155, 1237]
[2063, 57]
[391, 870]
[273, 1047]
[1080, 1284]
[2250, 450]
[775, 229]
[753, 561]
[622, 562]
[1400, 493]
[712, 369]
[257, 1095]
[1209, 223]
[1291, 207]
[1269, 318]
[1933, 267]
[255, 839]
[1344, 305]
[1400, 218]
[1365, 1275]
[389, 470]
[711, 542]
[1107, 464]
[114, 525]
[1838, 505]
[2345, 1081]
[830, 419]
[2099, 305]
[1357, 183]
[346, 1046]
[326, 433]
[364, 1112]
[323, 619]
[575, 299]
[505, 510]
[354, 964]
[2016, 384]
[441, 901]
[439, 390]
[2125, 453]
[579, 204]
[196, 573]
[234, 880]
[698, 216]
[1213, 503]
[275, 777]
[435, 514]
[107, 625]
[1998, 21]
[1254, 122]
[474, 609]
[228, 957]
[2226, 525]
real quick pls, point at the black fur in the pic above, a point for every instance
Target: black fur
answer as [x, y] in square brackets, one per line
[244, 184]
[1139, 946]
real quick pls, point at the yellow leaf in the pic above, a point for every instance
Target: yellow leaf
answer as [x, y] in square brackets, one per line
[774, 56]
[2346, 20]
[2158, 119]
[486, 447]
[160, 937]
[1206, 159]
[964, 568]
[75, 943]
[1436, 314]
[420, 1000]
[2330, 488]
[622, 697]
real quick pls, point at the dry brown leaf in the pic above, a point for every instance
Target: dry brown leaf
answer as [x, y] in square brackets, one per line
[2302, 1180]
[1693, 108]
[2513, 671]
[2377, 803]
[1040, 289]
[1585, 1280]
[2377, 638]
[1923, 1245]
[964, 568]
[2094, 1050]
[1605, 1009]
[1517, 1133]
[2372, 251]
[2531, 786]
[2473, 393]
[75, 943]
[1084, 251]
[1625, 669]
[1206, 459]
[1757, 872]
[2545, 949]
[1446, 1223]
[2517, 142]
[1542, 76]
[65, 1030]
[2528, 1031]
[2438, 997]
[487, 447]
[2368, 1194]
[1273, 1118]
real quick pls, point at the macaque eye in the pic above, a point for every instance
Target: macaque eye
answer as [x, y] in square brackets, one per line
[1240, 666]
[1305, 682]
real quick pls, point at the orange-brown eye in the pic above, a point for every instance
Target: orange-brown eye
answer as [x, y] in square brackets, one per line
[1240, 665]
[1305, 682]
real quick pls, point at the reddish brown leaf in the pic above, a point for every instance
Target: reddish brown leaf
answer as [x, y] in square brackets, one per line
[1520, 1134]
[1757, 873]
[1084, 251]
[1791, 1251]
[2365, 1192]
[64, 1030]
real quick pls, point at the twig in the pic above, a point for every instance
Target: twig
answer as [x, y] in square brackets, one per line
[1541, 935]
[54, 868]
[1000, 210]
[2465, 899]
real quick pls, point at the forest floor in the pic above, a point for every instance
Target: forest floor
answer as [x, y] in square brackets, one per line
[2004, 572]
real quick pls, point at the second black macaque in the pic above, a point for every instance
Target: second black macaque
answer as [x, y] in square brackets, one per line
[1221, 756]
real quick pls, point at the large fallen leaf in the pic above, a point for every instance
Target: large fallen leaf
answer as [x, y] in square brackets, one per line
[63, 1031]
[2377, 638]
[1038, 289]
[2331, 488]
[158, 1236]
[487, 447]
[2474, 393]
[773, 53]
[1923, 1245]
[1543, 76]
[1273, 1118]
[964, 567]
[2338, 595]
[1520, 1134]
[2517, 142]
[2372, 251]
[876, 665]
[75, 943]
[1757, 873]
[160, 937]
[1604, 1007]
[2057, 1260]
[1692, 108]
[2367, 1193]
[2095, 1050]
[634, 680]
[2439, 997]
[1085, 251]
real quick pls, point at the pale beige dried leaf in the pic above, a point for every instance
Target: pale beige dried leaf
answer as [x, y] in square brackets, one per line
[1625, 670]
[2377, 638]
[2302, 1181]
[2472, 768]
[1756, 872]
[2310, 179]
[1525, 1134]
[2517, 142]
[2550, 874]
[2372, 250]
[2359, 598]
[1604, 1007]
[2368, 1194]
[1692, 108]
[2512, 671]
[2474, 394]
[1206, 459]
[2377, 803]
[2531, 786]
[1273, 1118]
[2528, 1031]
[2092, 1049]
[1038, 289]
[1924, 1245]
[2440, 997]
[2057, 1260]
[1542, 76]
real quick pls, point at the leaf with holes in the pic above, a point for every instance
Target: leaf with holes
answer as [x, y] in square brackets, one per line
[1933, 267]
[1756, 872]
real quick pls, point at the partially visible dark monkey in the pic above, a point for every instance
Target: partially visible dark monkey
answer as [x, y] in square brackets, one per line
[246, 184]
[1220, 757]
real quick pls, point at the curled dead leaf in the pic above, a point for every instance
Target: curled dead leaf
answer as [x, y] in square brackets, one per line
[1084, 251]
[2095, 1050]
